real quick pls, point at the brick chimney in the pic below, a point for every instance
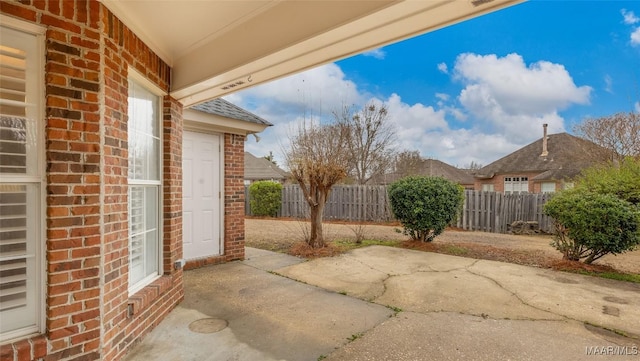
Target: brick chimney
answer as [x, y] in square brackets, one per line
[545, 151]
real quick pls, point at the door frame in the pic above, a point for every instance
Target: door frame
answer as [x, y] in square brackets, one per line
[202, 130]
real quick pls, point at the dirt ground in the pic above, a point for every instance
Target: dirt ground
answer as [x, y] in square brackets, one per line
[281, 235]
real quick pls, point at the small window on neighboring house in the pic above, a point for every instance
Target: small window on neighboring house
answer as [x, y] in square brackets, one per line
[569, 185]
[516, 184]
[21, 179]
[145, 142]
[548, 187]
[487, 187]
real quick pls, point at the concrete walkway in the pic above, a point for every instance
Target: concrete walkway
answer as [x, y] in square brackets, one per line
[382, 303]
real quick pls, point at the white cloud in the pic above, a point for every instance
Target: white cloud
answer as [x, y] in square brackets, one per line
[629, 17]
[507, 82]
[317, 91]
[501, 107]
[443, 68]
[376, 53]
[608, 84]
[638, 107]
[513, 98]
[635, 37]
[443, 96]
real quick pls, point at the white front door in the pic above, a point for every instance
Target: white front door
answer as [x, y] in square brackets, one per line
[201, 195]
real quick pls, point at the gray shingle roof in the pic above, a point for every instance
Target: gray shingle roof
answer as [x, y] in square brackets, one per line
[432, 168]
[224, 108]
[261, 169]
[567, 156]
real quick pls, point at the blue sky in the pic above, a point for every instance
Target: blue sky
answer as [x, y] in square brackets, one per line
[478, 90]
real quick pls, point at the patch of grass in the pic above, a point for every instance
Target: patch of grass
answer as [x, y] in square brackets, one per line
[344, 293]
[613, 330]
[355, 336]
[613, 276]
[455, 250]
[594, 270]
[322, 357]
[346, 245]
[394, 309]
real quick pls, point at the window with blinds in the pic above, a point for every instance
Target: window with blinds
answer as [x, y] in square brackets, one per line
[21, 201]
[516, 184]
[144, 185]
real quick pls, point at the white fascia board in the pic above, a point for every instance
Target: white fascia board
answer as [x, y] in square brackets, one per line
[197, 120]
[137, 26]
[193, 82]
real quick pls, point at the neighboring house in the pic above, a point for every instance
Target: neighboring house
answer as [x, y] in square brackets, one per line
[431, 168]
[101, 154]
[546, 165]
[258, 169]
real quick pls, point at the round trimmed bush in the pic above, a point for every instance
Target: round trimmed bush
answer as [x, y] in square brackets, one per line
[265, 198]
[425, 205]
[590, 225]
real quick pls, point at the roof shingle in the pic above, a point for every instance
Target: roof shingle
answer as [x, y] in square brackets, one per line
[567, 156]
[224, 108]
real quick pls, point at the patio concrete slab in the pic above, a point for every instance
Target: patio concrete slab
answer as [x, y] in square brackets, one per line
[430, 282]
[267, 260]
[445, 308]
[269, 318]
[451, 336]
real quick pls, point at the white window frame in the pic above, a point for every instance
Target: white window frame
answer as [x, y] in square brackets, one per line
[511, 182]
[38, 179]
[488, 187]
[138, 78]
[547, 185]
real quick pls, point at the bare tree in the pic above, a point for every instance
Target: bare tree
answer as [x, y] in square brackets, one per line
[473, 166]
[408, 162]
[619, 133]
[370, 141]
[317, 159]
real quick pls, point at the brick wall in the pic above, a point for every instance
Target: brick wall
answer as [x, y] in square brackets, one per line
[498, 182]
[88, 52]
[234, 196]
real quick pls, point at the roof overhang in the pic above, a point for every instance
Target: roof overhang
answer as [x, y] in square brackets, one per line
[200, 121]
[219, 47]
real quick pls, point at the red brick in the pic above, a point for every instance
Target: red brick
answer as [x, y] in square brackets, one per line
[39, 346]
[6, 352]
[54, 6]
[23, 349]
[17, 10]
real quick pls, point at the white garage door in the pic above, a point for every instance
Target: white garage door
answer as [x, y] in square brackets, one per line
[201, 192]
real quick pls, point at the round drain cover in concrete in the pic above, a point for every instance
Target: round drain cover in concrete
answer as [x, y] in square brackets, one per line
[208, 325]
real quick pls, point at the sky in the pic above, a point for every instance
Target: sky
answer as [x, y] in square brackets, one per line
[475, 91]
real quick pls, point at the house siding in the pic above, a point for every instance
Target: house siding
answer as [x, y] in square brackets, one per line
[89, 314]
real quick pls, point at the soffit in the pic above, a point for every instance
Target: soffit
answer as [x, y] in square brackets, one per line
[219, 47]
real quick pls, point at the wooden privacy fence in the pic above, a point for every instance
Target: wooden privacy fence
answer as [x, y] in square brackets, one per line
[482, 211]
[346, 202]
[495, 212]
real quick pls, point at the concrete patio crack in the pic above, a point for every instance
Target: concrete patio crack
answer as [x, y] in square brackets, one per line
[514, 294]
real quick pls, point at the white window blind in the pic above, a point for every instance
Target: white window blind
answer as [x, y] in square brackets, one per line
[516, 184]
[21, 203]
[548, 187]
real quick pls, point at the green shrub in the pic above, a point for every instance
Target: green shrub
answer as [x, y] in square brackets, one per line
[265, 198]
[590, 225]
[621, 180]
[425, 205]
